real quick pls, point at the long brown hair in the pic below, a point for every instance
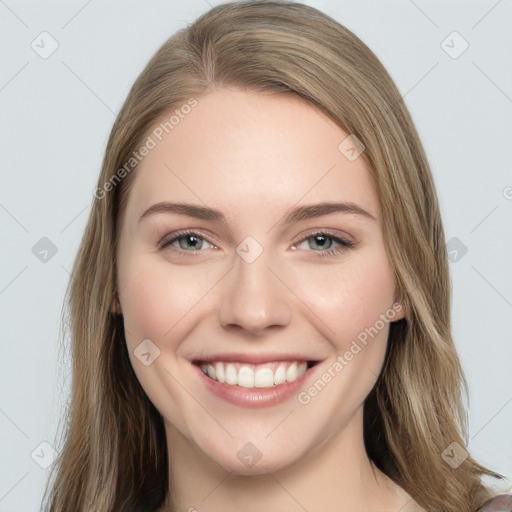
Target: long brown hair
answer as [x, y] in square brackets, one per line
[114, 455]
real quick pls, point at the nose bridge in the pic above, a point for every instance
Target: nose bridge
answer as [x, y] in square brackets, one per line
[254, 298]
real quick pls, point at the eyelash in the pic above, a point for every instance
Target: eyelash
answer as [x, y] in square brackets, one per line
[346, 244]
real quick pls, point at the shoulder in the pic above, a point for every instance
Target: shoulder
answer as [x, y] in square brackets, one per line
[500, 503]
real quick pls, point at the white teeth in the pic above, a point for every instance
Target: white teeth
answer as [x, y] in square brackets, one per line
[254, 376]
[291, 372]
[231, 375]
[246, 377]
[280, 375]
[263, 378]
[219, 372]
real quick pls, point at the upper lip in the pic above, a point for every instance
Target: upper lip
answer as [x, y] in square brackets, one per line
[253, 358]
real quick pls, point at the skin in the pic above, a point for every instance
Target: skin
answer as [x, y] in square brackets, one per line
[253, 156]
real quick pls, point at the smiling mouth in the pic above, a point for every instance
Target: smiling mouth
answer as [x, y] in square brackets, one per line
[267, 375]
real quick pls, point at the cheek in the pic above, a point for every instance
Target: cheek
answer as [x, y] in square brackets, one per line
[351, 297]
[156, 297]
[350, 303]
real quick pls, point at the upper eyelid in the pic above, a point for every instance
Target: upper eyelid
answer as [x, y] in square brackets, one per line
[327, 232]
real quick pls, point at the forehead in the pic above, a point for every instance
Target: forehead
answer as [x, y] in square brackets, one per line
[241, 150]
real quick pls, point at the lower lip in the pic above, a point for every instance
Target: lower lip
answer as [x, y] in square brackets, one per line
[254, 397]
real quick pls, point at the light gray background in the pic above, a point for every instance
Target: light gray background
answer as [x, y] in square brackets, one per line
[56, 114]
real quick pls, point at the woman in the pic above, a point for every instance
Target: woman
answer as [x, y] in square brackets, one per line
[261, 299]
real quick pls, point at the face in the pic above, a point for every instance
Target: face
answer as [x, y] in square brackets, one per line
[286, 305]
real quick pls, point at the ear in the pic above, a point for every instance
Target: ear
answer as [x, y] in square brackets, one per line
[116, 307]
[399, 308]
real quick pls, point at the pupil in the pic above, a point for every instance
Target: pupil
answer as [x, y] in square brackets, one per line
[190, 238]
[321, 238]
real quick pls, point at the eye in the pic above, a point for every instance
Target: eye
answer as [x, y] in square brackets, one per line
[321, 242]
[325, 244]
[184, 241]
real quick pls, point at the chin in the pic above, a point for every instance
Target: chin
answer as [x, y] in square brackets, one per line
[251, 458]
[261, 467]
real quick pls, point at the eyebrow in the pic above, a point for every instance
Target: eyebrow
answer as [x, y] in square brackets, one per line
[292, 215]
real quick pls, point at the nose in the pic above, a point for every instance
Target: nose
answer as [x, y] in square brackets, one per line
[254, 299]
